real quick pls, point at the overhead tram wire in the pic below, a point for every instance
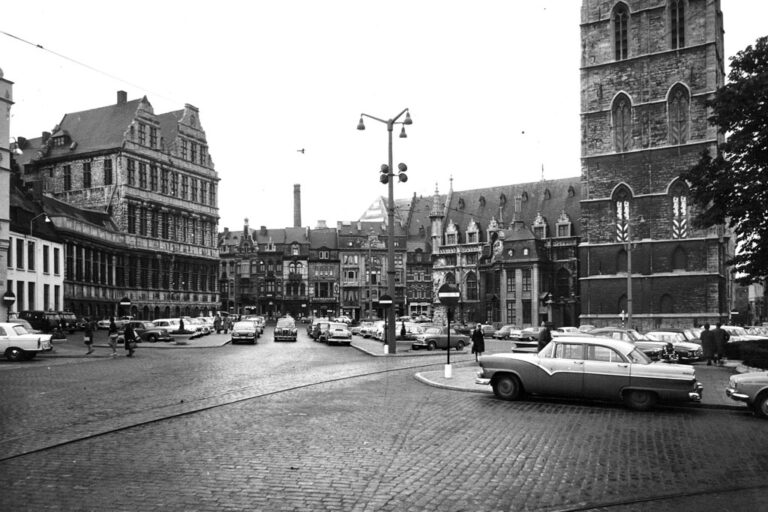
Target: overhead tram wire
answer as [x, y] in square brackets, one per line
[87, 66]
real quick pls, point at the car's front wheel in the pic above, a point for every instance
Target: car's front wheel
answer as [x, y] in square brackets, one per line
[431, 345]
[460, 346]
[507, 387]
[152, 338]
[639, 400]
[761, 405]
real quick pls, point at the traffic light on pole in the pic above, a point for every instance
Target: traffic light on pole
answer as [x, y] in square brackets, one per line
[401, 175]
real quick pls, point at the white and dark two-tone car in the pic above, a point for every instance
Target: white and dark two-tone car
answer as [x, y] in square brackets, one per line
[752, 389]
[18, 344]
[589, 368]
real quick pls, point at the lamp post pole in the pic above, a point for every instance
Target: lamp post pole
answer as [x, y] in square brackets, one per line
[388, 174]
[629, 275]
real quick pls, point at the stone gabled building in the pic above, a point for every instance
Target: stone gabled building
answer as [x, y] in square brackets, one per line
[152, 175]
[510, 249]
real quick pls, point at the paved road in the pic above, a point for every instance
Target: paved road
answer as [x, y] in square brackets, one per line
[309, 427]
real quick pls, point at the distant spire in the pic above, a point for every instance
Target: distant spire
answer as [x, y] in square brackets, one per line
[542, 172]
[450, 188]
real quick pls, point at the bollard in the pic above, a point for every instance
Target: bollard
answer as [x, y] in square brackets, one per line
[448, 371]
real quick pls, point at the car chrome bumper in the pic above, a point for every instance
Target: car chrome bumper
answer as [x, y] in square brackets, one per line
[695, 396]
[482, 381]
[735, 395]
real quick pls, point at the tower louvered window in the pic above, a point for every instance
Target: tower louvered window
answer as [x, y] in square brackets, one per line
[677, 21]
[679, 213]
[678, 115]
[622, 123]
[620, 28]
[622, 217]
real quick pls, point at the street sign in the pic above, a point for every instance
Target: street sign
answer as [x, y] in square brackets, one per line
[385, 300]
[448, 294]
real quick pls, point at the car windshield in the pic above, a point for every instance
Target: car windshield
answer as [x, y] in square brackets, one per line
[338, 326]
[244, 326]
[738, 331]
[433, 330]
[286, 323]
[636, 336]
[637, 356]
[670, 337]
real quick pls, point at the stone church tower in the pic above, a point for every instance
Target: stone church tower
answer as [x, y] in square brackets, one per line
[647, 68]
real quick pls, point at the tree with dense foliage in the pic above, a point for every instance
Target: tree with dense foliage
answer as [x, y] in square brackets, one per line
[732, 186]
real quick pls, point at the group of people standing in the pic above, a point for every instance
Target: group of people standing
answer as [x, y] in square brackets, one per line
[222, 323]
[129, 337]
[713, 344]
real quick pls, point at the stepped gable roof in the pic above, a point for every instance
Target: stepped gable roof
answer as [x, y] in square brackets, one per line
[323, 237]
[377, 211]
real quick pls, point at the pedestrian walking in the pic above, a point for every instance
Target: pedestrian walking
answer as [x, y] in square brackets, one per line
[478, 341]
[545, 336]
[402, 331]
[181, 325]
[721, 339]
[88, 336]
[708, 344]
[129, 339]
[112, 334]
[217, 324]
[227, 324]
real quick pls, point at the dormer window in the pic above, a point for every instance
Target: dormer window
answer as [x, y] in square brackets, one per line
[540, 226]
[563, 225]
[61, 140]
[295, 250]
[461, 204]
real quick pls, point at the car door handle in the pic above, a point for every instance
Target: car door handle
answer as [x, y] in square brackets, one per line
[623, 365]
[578, 362]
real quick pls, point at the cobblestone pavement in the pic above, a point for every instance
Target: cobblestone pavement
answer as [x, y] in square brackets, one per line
[271, 439]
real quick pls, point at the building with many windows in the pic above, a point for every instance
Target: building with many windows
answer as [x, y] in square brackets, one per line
[142, 188]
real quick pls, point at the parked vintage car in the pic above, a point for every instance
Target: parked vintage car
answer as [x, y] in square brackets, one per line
[592, 368]
[17, 344]
[365, 328]
[687, 351]
[285, 329]
[337, 334]
[244, 332]
[412, 329]
[508, 332]
[119, 322]
[752, 389]
[146, 331]
[437, 337]
[651, 348]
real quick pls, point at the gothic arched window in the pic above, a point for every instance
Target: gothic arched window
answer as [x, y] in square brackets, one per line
[678, 113]
[679, 195]
[621, 204]
[622, 123]
[621, 30]
[677, 23]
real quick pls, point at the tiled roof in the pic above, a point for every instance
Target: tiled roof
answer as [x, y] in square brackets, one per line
[547, 197]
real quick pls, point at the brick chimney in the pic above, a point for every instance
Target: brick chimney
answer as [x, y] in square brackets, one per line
[297, 206]
[122, 97]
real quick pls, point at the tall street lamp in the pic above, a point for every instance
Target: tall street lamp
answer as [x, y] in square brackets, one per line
[387, 176]
[630, 248]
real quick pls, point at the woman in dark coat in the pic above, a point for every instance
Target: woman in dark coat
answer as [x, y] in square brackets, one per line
[478, 341]
[708, 344]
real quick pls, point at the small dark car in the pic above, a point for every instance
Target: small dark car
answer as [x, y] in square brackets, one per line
[146, 331]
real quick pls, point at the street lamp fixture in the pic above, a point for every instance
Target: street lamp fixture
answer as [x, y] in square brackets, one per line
[387, 177]
[32, 221]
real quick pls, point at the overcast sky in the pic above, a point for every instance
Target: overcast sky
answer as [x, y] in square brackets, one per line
[492, 87]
